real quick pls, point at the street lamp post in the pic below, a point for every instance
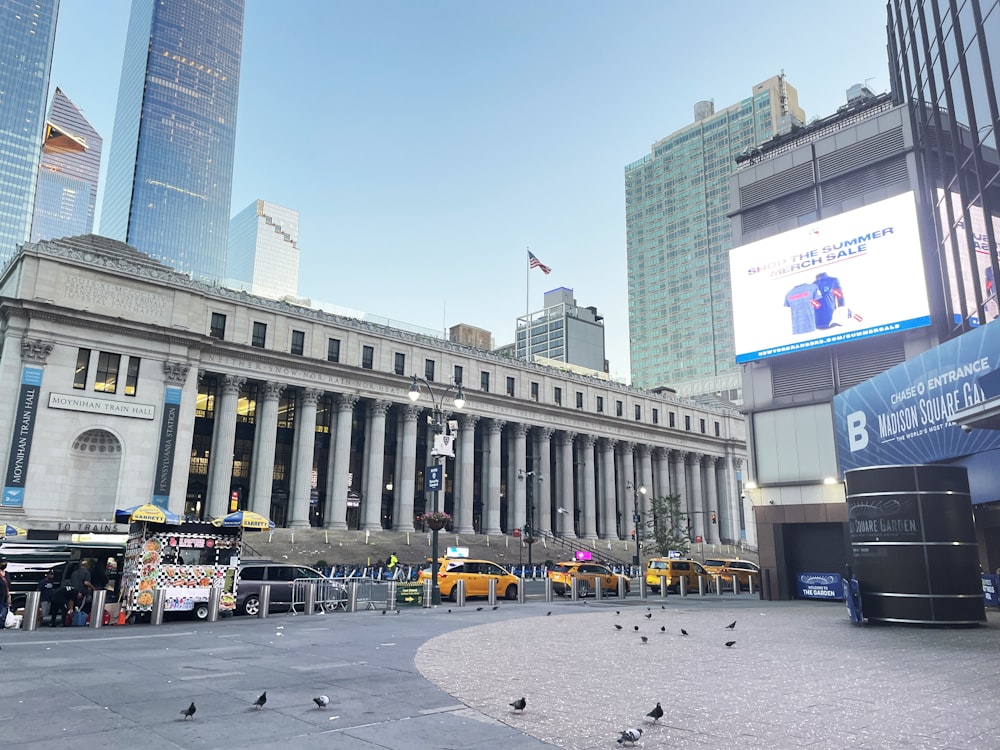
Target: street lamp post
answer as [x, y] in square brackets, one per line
[529, 525]
[636, 518]
[437, 425]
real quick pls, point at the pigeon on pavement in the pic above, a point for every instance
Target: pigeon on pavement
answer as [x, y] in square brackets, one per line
[630, 736]
[657, 713]
[644, 638]
[648, 615]
[479, 609]
[635, 628]
[519, 704]
[322, 701]
[731, 626]
[617, 626]
[663, 628]
[261, 700]
[730, 644]
[189, 711]
[683, 631]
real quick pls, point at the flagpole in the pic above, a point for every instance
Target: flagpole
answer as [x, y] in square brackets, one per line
[527, 302]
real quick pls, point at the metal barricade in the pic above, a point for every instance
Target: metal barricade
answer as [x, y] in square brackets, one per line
[460, 592]
[96, 608]
[491, 595]
[156, 614]
[319, 594]
[31, 604]
[264, 599]
[372, 593]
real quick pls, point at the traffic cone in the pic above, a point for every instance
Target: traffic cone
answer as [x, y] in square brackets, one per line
[121, 617]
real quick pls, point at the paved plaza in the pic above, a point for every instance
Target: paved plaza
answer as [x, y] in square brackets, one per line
[798, 676]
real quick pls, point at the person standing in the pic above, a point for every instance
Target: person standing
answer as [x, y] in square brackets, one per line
[80, 581]
[392, 564]
[48, 587]
[4, 593]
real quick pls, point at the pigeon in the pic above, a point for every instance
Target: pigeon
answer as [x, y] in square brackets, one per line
[383, 612]
[730, 644]
[644, 638]
[618, 612]
[635, 628]
[630, 736]
[261, 700]
[663, 628]
[519, 704]
[496, 608]
[449, 611]
[617, 626]
[322, 701]
[657, 713]
[189, 711]
[547, 614]
[648, 615]
[683, 631]
[731, 626]
[663, 606]
[479, 609]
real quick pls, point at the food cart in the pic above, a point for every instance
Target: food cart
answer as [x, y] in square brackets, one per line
[185, 562]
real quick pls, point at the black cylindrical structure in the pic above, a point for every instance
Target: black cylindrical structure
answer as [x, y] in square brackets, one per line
[913, 544]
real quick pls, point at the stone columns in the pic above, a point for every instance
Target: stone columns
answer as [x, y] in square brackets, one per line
[609, 510]
[264, 441]
[491, 462]
[626, 475]
[305, 447]
[679, 460]
[517, 489]
[407, 469]
[565, 504]
[588, 504]
[712, 500]
[223, 443]
[336, 496]
[697, 496]
[662, 471]
[645, 478]
[375, 463]
[543, 500]
[466, 458]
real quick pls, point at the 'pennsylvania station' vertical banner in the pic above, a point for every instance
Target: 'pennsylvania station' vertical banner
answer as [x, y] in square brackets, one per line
[851, 276]
[20, 444]
[167, 447]
[901, 416]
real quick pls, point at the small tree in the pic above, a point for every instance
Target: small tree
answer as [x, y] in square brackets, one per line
[669, 527]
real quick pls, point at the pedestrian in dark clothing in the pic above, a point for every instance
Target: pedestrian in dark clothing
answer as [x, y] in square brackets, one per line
[63, 599]
[80, 581]
[4, 593]
[47, 586]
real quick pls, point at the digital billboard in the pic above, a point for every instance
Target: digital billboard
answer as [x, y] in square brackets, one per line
[970, 273]
[851, 276]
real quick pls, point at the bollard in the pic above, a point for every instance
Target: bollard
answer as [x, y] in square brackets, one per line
[309, 599]
[548, 589]
[214, 597]
[492, 594]
[750, 584]
[264, 600]
[598, 590]
[701, 585]
[574, 591]
[663, 588]
[682, 585]
[428, 595]
[718, 585]
[622, 583]
[96, 608]
[460, 592]
[521, 593]
[352, 596]
[156, 614]
[736, 584]
[31, 603]
[390, 599]
[643, 593]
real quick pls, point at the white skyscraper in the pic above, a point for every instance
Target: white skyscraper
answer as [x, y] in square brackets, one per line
[263, 255]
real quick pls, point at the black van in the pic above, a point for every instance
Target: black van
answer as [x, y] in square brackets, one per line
[28, 561]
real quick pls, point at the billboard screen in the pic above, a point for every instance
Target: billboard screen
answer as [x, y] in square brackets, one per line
[966, 275]
[852, 276]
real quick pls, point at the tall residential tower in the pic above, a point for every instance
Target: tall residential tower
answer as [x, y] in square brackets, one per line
[170, 171]
[678, 238]
[27, 36]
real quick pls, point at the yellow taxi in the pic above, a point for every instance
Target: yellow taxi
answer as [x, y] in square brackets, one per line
[672, 570]
[588, 575]
[477, 575]
[728, 567]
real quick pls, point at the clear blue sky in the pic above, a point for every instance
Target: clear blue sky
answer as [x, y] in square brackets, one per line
[427, 143]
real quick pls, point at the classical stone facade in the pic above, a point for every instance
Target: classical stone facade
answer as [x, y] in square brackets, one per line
[125, 382]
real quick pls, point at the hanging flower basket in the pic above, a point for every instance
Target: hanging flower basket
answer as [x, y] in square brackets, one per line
[435, 520]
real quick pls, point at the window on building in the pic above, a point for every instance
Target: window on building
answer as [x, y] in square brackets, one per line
[656, 416]
[333, 350]
[107, 372]
[557, 396]
[298, 342]
[259, 335]
[638, 412]
[367, 357]
[534, 391]
[459, 372]
[619, 409]
[399, 363]
[82, 369]
[600, 404]
[579, 399]
[484, 381]
[429, 370]
[218, 327]
[510, 386]
[717, 429]
[701, 424]
[132, 376]
[687, 422]
[672, 419]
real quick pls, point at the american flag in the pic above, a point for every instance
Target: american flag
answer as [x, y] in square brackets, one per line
[533, 262]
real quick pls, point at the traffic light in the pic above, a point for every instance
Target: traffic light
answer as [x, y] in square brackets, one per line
[713, 517]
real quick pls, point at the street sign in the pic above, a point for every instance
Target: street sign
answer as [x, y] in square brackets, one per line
[432, 479]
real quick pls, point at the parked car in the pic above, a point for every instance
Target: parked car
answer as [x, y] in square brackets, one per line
[280, 576]
[589, 575]
[476, 574]
[728, 567]
[672, 570]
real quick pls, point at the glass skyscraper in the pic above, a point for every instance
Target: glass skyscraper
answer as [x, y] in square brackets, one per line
[66, 190]
[169, 179]
[27, 36]
[263, 254]
[678, 238]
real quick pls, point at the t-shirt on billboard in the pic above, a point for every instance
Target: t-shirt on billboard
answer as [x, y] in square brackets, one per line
[852, 276]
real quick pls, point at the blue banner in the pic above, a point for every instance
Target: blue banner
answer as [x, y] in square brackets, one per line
[165, 454]
[819, 586]
[991, 589]
[900, 417]
[20, 444]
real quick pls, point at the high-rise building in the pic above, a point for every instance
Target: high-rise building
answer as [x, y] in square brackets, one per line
[468, 335]
[263, 255]
[170, 169]
[564, 332]
[66, 191]
[27, 37]
[678, 237]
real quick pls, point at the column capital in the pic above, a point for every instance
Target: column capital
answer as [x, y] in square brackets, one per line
[310, 396]
[411, 412]
[587, 442]
[608, 444]
[644, 449]
[711, 460]
[35, 350]
[231, 384]
[659, 453]
[520, 429]
[737, 462]
[468, 421]
[346, 402]
[175, 372]
[566, 437]
[272, 391]
[379, 408]
[495, 426]
[545, 433]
